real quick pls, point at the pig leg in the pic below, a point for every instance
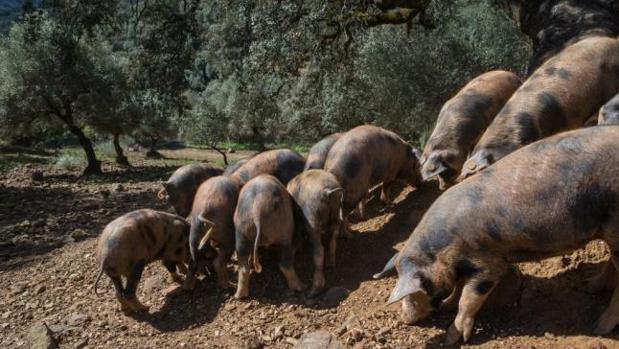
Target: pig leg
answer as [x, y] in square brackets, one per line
[243, 250]
[171, 267]
[118, 286]
[345, 229]
[132, 284]
[610, 317]
[286, 265]
[220, 265]
[319, 258]
[605, 280]
[182, 268]
[333, 245]
[386, 193]
[474, 294]
[361, 209]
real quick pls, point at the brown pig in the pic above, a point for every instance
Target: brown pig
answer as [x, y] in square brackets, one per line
[264, 217]
[609, 113]
[230, 169]
[318, 200]
[183, 184]
[211, 222]
[135, 239]
[366, 156]
[546, 199]
[560, 95]
[319, 151]
[283, 164]
[462, 121]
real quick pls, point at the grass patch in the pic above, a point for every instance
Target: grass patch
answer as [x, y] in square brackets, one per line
[70, 159]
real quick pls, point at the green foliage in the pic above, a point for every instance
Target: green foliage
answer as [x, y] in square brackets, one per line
[70, 161]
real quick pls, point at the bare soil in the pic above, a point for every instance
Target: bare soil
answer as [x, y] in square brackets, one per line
[48, 231]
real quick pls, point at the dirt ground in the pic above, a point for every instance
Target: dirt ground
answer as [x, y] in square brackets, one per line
[48, 230]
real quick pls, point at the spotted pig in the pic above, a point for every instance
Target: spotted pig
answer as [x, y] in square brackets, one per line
[284, 164]
[319, 151]
[183, 184]
[462, 121]
[132, 241]
[264, 217]
[476, 229]
[609, 113]
[366, 156]
[559, 96]
[211, 223]
[317, 198]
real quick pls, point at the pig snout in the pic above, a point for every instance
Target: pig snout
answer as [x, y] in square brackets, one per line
[414, 309]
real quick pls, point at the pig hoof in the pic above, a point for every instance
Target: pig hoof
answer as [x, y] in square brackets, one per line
[315, 292]
[177, 278]
[453, 335]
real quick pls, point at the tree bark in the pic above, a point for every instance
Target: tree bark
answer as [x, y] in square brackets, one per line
[94, 165]
[121, 159]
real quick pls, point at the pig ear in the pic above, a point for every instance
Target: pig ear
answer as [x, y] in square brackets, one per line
[408, 283]
[205, 220]
[387, 269]
[333, 191]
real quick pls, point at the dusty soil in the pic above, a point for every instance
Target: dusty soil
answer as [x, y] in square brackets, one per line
[48, 231]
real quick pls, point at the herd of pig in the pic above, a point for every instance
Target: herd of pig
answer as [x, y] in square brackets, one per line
[552, 191]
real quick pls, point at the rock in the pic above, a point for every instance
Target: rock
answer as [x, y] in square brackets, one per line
[153, 283]
[383, 331]
[278, 332]
[596, 344]
[39, 289]
[41, 222]
[352, 322]
[79, 234]
[118, 187]
[334, 296]
[81, 344]
[254, 343]
[40, 337]
[17, 288]
[231, 151]
[37, 176]
[318, 340]
[104, 193]
[77, 319]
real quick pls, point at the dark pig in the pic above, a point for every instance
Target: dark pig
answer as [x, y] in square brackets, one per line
[366, 156]
[319, 151]
[230, 169]
[476, 229]
[462, 121]
[183, 184]
[211, 223]
[264, 217]
[318, 200]
[609, 113]
[284, 164]
[132, 241]
[559, 96]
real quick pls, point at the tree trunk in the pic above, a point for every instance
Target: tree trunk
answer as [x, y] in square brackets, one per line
[258, 138]
[152, 152]
[94, 165]
[121, 159]
[222, 152]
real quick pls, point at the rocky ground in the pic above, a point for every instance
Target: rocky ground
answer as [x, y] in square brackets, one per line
[49, 221]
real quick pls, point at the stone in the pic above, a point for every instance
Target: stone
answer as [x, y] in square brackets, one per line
[77, 319]
[278, 331]
[39, 289]
[81, 344]
[153, 283]
[352, 322]
[118, 187]
[38, 223]
[37, 176]
[334, 296]
[40, 337]
[318, 340]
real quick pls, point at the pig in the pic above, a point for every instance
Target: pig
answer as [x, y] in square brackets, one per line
[461, 122]
[609, 113]
[319, 151]
[264, 217]
[284, 164]
[132, 241]
[211, 222]
[546, 199]
[317, 199]
[559, 96]
[366, 156]
[230, 169]
[183, 184]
